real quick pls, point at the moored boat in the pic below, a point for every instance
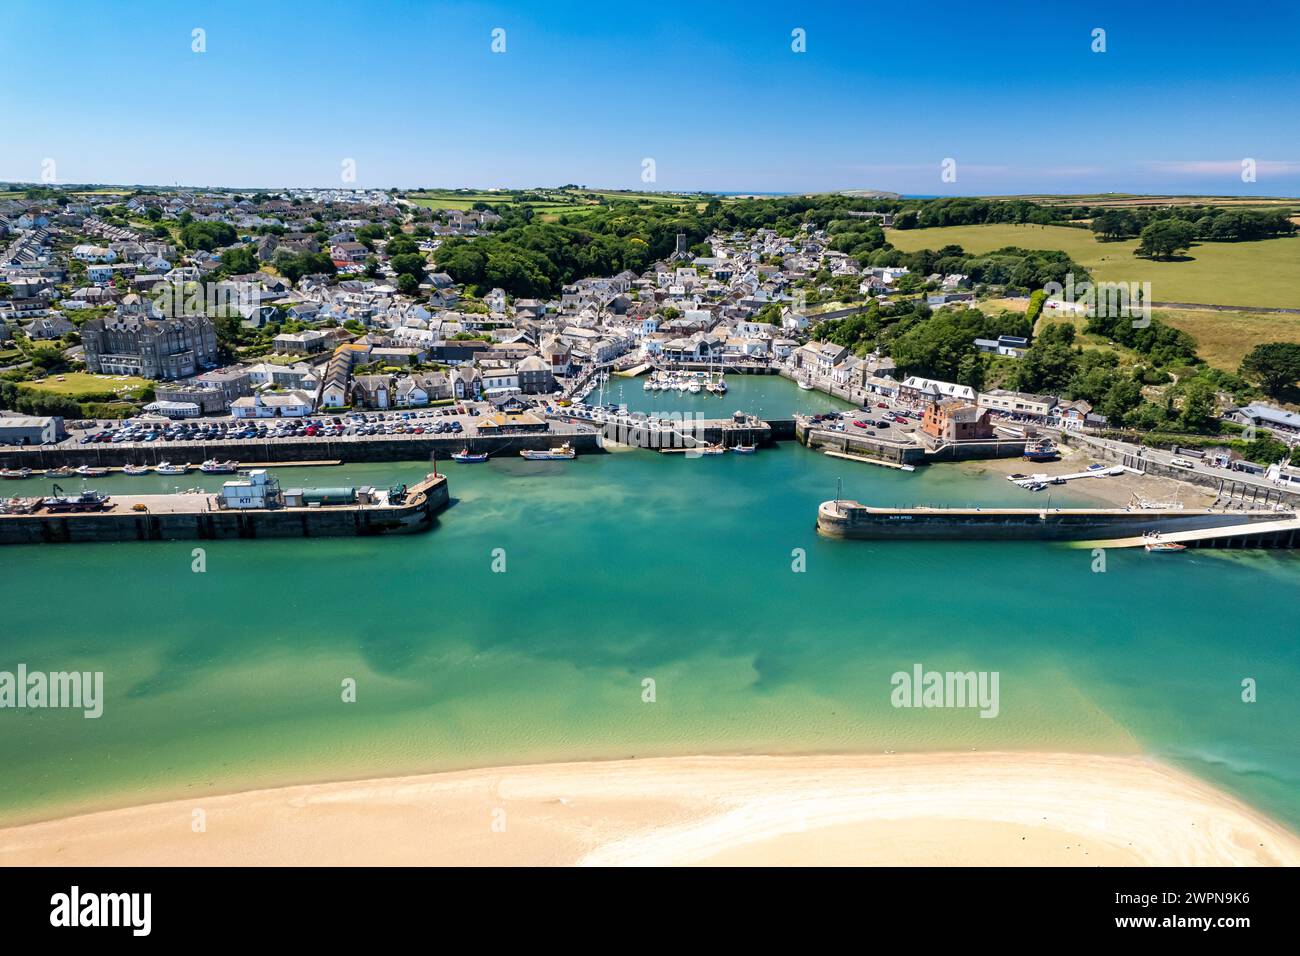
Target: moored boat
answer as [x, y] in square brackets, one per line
[15, 473]
[805, 384]
[1164, 547]
[167, 468]
[564, 452]
[135, 470]
[465, 455]
[214, 467]
[86, 471]
[1044, 450]
[63, 471]
[744, 449]
[713, 450]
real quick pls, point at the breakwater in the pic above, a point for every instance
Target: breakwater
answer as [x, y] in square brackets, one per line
[200, 517]
[850, 519]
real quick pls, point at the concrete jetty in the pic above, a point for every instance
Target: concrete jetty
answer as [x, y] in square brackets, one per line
[205, 517]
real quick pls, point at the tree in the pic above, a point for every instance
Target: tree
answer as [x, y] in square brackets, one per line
[1275, 364]
[1165, 238]
[407, 283]
[1198, 406]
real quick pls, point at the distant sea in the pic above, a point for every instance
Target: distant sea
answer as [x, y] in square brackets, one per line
[705, 576]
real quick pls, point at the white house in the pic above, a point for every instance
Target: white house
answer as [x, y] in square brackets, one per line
[272, 405]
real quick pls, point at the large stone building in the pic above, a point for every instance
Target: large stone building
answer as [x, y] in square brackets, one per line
[956, 421]
[160, 348]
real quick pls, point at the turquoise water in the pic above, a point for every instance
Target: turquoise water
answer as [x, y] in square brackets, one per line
[621, 568]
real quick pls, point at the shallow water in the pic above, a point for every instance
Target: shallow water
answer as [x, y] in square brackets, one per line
[619, 569]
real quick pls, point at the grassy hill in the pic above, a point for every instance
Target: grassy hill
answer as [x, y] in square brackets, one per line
[1264, 274]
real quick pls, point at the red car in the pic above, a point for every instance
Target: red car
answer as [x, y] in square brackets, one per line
[900, 419]
[862, 424]
[882, 404]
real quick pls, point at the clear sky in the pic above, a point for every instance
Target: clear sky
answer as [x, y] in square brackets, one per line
[712, 92]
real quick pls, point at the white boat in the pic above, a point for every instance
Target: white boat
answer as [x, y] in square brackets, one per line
[693, 388]
[85, 471]
[744, 449]
[135, 470]
[63, 471]
[167, 468]
[564, 452]
[469, 457]
[713, 450]
[214, 467]
[805, 384]
[15, 473]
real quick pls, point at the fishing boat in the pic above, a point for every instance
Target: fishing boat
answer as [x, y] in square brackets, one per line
[713, 450]
[167, 468]
[1044, 450]
[806, 384]
[63, 471]
[719, 387]
[15, 473]
[562, 453]
[214, 467]
[744, 449]
[465, 455]
[85, 471]
[694, 388]
[136, 470]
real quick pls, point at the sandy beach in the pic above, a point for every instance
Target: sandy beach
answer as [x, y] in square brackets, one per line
[1113, 491]
[910, 809]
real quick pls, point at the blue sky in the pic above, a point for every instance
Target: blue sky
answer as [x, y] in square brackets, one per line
[713, 93]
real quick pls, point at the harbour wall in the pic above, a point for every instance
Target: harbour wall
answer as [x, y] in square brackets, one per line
[287, 450]
[849, 519]
[201, 521]
[904, 452]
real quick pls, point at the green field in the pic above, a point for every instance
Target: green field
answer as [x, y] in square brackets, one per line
[1224, 338]
[551, 203]
[1261, 274]
[77, 385]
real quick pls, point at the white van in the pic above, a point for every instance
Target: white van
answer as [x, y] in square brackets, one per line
[1178, 462]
